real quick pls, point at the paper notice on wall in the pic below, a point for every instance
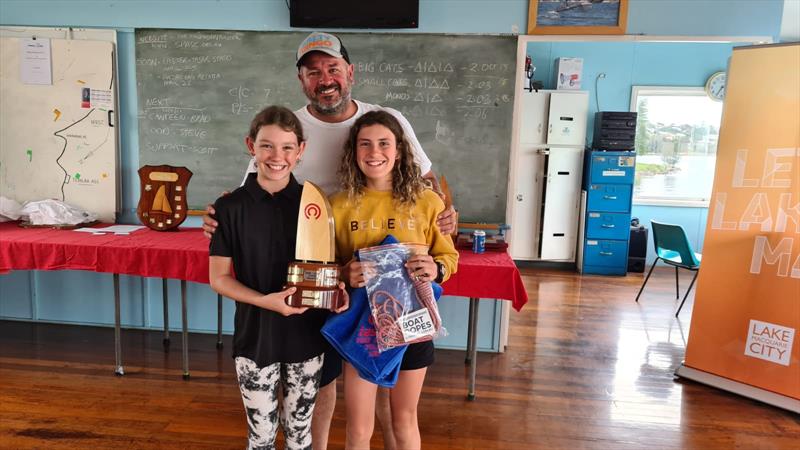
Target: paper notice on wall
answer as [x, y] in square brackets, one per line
[35, 61]
[101, 98]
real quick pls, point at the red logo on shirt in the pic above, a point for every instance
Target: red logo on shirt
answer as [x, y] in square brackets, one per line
[312, 209]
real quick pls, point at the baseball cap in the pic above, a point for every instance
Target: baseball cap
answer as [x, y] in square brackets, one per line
[322, 42]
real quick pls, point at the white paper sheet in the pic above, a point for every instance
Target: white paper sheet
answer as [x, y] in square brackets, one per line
[35, 61]
[116, 229]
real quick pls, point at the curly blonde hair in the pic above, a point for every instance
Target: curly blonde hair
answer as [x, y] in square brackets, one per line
[407, 181]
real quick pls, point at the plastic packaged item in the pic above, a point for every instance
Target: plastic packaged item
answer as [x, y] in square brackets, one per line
[403, 311]
[56, 212]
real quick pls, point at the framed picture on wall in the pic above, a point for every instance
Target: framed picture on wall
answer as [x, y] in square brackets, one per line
[577, 16]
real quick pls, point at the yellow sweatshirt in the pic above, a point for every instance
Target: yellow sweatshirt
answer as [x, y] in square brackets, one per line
[364, 222]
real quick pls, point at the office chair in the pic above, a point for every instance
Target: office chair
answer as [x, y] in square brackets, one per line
[673, 247]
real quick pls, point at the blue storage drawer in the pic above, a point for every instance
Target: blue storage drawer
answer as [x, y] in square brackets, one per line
[605, 270]
[612, 167]
[598, 252]
[605, 225]
[609, 197]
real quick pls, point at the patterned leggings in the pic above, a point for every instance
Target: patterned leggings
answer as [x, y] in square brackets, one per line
[259, 387]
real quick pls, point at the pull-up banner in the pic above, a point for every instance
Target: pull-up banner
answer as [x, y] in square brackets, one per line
[746, 316]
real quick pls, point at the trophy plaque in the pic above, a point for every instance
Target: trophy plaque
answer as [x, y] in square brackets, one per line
[314, 273]
[162, 202]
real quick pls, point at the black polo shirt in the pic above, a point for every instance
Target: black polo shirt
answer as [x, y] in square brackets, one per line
[258, 230]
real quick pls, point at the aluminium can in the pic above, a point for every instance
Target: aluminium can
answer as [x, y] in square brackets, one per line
[478, 241]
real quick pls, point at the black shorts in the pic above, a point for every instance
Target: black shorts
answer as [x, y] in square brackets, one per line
[417, 356]
[331, 367]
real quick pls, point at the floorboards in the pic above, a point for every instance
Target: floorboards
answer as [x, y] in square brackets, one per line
[585, 368]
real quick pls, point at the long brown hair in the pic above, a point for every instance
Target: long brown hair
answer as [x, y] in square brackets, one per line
[407, 181]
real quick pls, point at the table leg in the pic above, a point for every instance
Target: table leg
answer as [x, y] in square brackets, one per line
[117, 345]
[185, 337]
[468, 357]
[473, 333]
[165, 300]
[219, 321]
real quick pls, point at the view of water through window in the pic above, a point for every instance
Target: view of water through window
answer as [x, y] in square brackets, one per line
[676, 144]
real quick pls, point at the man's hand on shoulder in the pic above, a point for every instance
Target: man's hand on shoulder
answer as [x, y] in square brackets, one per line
[446, 221]
[209, 223]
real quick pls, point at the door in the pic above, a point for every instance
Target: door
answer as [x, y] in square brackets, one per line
[567, 118]
[533, 126]
[561, 204]
[524, 234]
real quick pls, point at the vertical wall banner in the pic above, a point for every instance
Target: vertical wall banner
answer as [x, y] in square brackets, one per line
[747, 307]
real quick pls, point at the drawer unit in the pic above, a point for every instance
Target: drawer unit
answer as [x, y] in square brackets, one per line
[604, 252]
[605, 225]
[609, 197]
[612, 168]
[608, 187]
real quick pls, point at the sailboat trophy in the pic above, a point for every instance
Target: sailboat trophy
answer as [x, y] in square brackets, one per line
[162, 202]
[314, 273]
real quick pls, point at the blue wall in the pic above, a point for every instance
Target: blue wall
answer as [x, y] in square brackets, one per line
[628, 64]
[86, 297]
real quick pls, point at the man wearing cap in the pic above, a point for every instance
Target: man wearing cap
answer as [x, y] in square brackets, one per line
[326, 76]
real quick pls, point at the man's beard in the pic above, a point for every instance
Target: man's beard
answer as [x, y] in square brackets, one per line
[330, 109]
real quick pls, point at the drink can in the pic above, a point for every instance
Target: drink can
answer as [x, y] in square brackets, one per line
[478, 241]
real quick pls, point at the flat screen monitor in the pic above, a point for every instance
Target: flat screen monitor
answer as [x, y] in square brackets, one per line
[354, 13]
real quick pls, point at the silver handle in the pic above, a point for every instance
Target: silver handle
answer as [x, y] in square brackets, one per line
[608, 225]
[610, 197]
[606, 254]
[519, 197]
[543, 151]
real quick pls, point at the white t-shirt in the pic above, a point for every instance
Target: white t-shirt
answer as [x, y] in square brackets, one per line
[325, 147]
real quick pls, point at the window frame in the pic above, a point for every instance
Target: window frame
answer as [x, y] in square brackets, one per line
[668, 91]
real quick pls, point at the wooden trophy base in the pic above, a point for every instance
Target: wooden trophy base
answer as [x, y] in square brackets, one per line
[317, 285]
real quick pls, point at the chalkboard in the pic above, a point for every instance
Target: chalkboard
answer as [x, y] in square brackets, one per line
[198, 90]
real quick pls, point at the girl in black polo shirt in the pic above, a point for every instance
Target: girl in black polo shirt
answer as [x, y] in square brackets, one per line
[273, 344]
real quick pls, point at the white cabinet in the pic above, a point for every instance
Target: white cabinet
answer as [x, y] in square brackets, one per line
[566, 122]
[524, 243]
[561, 204]
[546, 174]
[533, 130]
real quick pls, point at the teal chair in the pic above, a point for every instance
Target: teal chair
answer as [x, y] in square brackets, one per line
[673, 247]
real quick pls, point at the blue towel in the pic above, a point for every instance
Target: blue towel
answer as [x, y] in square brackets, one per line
[352, 334]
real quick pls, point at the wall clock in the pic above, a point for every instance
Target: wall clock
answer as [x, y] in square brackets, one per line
[715, 86]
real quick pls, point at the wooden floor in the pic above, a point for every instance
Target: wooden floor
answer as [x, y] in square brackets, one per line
[585, 367]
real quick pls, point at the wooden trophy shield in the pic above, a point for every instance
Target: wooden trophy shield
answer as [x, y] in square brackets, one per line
[162, 202]
[314, 274]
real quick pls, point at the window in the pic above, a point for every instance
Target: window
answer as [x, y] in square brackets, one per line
[677, 131]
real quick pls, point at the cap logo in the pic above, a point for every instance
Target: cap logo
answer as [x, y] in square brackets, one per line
[319, 42]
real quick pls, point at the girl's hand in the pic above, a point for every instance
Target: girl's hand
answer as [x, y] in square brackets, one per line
[356, 273]
[277, 302]
[421, 268]
[345, 298]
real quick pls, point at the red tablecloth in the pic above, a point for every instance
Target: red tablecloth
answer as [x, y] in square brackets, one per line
[183, 255]
[487, 275]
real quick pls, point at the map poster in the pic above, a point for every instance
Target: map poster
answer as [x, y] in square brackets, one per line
[58, 140]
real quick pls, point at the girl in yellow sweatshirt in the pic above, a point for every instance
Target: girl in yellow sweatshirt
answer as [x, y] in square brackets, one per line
[384, 193]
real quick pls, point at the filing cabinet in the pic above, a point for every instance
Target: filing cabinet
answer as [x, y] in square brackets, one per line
[606, 212]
